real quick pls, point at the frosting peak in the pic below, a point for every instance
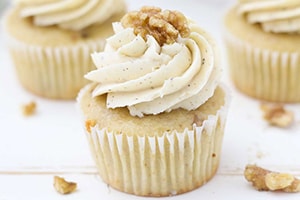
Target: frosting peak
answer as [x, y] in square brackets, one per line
[70, 14]
[150, 78]
[278, 16]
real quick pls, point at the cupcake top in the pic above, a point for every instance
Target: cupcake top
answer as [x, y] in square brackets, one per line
[156, 61]
[278, 16]
[70, 14]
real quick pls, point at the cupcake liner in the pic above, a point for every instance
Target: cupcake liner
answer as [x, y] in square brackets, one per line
[263, 73]
[53, 72]
[169, 164]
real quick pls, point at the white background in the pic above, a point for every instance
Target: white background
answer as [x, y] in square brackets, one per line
[52, 142]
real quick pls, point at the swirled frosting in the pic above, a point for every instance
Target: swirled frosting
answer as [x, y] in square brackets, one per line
[149, 79]
[70, 14]
[278, 16]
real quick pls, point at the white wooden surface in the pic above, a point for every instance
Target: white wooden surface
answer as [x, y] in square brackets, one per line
[34, 149]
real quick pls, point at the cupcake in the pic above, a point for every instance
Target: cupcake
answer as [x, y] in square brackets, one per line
[50, 42]
[261, 40]
[155, 111]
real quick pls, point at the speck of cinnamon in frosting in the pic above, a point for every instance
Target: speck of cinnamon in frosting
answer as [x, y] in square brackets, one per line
[165, 26]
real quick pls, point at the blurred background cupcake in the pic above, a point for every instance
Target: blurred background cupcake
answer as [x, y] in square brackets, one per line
[3, 5]
[155, 113]
[262, 39]
[50, 41]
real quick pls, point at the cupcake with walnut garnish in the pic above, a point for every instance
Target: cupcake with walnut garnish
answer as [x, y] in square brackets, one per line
[155, 114]
[50, 42]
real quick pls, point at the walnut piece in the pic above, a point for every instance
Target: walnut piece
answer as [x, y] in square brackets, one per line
[29, 108]
[64, 187]
[266, 180]
[198, 120]
[276, 181]
[277, 115]
[165, 26]
[89, 124]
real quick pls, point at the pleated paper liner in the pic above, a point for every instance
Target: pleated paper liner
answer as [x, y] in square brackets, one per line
[170, 164]
[263, 73]
[53, 72]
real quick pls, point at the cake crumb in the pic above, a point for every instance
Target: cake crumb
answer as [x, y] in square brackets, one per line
[64, 187]
[266, 180]
[277, 115]
[29, 108]
[89, 124]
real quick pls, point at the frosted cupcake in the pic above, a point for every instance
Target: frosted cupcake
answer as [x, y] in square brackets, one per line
[155, 112]
[263, 54]
[50, 42]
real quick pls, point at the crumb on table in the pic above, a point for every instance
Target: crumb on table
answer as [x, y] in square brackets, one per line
[277, 115]
[29, 108]
[64, 187]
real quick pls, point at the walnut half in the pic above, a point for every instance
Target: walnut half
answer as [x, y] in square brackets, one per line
[165, 26]
[266, 180]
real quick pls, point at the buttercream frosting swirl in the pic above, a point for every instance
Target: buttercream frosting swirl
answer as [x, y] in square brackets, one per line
[278, 16]
[149, 79]
[70, 14]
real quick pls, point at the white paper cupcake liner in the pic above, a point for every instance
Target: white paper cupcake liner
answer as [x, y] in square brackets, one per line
[263, 73]
[169, 164]
[53, 72]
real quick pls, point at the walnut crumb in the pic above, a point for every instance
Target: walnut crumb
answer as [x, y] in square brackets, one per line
[29, 108]
[64, 187]
[266, 180]
[165, 26]
[198, 120]
[89, 124]
[84, 34]
[277, 115]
